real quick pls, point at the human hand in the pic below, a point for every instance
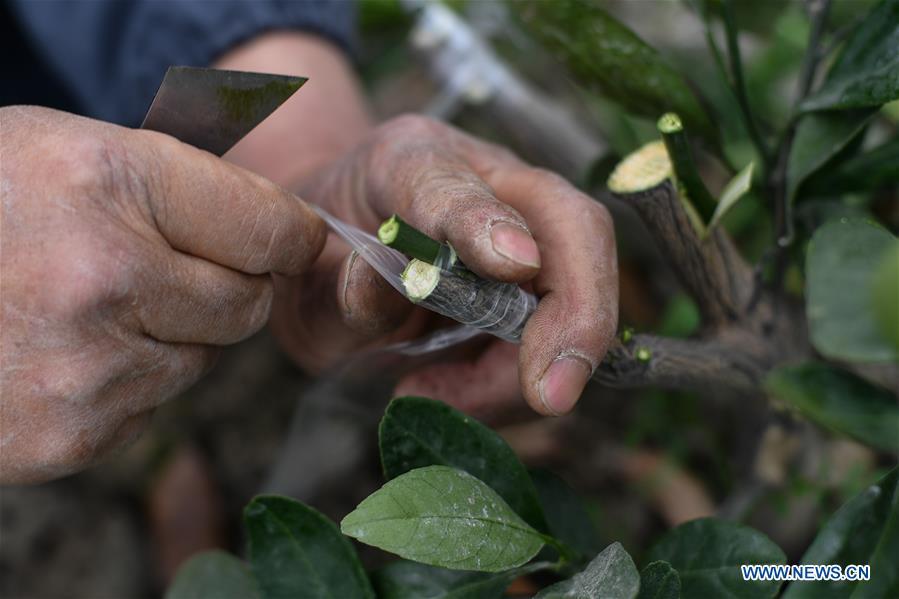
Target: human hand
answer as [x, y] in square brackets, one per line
[128, 259]
[506, 220]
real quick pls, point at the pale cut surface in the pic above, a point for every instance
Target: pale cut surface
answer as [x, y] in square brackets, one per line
[420, 279]
[642, 169]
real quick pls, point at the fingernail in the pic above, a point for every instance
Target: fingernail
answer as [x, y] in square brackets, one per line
[344, 295]
[515, 243]
[562, 384]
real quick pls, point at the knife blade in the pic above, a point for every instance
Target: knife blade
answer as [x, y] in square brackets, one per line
[212, 109]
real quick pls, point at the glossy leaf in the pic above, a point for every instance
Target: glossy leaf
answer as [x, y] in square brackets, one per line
[707, 554]
[444, 517]
[610, 575]
[866, 73]
[885, 292]
[417, 432]
[860, 532]
[842, 258]
[820, 137]
[659, 580]
[297, 552]
[604, 53]
[884, 573]
[568, 520]
[875, 169]
[733, 191]
[213, 575]
[839, 401]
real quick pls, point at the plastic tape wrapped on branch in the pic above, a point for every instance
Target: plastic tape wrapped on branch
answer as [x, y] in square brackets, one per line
[501, 309]
[446, 287]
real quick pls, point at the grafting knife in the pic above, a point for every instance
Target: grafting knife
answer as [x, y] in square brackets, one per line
[213, 109]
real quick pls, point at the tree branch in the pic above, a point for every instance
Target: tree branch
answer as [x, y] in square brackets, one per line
[685, 364]
[710, 268]
[783, 208]
[818, 11]
[739, 83]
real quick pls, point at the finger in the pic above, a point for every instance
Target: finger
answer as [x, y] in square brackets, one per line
[437, 191]
[577, 315]
[310, 315]
[211, 209]
[196, 301]
[369, 305]
[484, 387]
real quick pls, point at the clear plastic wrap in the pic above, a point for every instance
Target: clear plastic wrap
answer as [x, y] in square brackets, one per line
[501, 309]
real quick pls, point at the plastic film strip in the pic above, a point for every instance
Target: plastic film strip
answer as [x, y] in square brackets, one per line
[448, 288]
[501, 309]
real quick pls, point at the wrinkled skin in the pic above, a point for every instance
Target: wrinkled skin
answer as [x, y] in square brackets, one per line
[128, 259]
[507, 220]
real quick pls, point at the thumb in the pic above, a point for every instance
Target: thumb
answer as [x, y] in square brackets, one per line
[209, 208]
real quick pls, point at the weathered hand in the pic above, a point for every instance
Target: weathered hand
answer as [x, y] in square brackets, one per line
[507, 221]
[128, 258]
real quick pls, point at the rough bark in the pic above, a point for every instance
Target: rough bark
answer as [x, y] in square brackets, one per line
[746, 331]
[710, 268]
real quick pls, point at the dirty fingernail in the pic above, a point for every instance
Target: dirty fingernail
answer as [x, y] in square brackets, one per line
[515, 243]
[344, 291]
[562, 384]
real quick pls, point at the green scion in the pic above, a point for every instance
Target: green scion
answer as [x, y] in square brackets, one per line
[688, 179]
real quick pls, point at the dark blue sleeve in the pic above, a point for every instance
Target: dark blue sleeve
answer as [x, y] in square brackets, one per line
[112, 54]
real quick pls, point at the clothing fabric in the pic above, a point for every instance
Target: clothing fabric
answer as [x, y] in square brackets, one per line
[106, 58]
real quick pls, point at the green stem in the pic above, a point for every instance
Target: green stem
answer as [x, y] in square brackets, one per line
[783, 204]
[739, 83]
[538, 567]
[567, 554]
[818, 15]
[681, 155]
[403, 237]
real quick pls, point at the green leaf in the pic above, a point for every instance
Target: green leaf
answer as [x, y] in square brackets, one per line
[213, 575]
[568, 520]
[707, 553]
[444, 517]
[659, 580]
[297, 552]
[417, 432]
[885, 294]
[604, 53]
[410, 580]
[875, 169]
[858, 533]
[733, 191]
[839, 401]
[611, 575]
[884, 573]
[820, 137]
[866, 73]
[842, 258]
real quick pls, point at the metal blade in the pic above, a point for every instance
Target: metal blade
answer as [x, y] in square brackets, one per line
[213, 109]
